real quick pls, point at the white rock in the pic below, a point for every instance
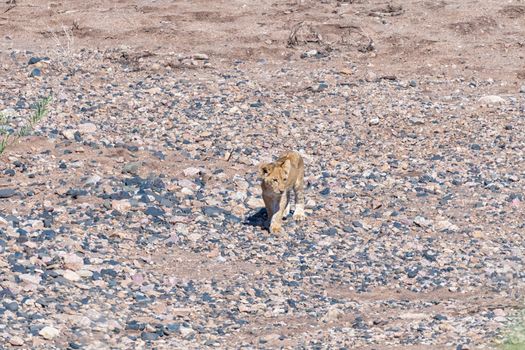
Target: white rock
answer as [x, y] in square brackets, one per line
[186, 191]
[69, 134]
[49, 332]
[93, 180]
[200, 56]
[522, 89]
[71, 275]
[73, 262]
[491, 100]
[194, 237]
[28, 278]
[87, 128]
[85, 273]
[185, 331]
[311, 53]
[189, 172]
[188, 184]
[422, 222]
[371, 76]
[413, 316]
[374, 121]
[446, 225]
[310, 203]
[77, 164]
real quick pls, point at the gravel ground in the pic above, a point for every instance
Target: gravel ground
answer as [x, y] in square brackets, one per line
[133, 217]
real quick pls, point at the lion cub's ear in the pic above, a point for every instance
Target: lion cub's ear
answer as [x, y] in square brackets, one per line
[287, 165]
[265, 169]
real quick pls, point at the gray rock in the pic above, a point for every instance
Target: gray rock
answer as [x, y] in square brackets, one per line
[132, 168]
[7, 192]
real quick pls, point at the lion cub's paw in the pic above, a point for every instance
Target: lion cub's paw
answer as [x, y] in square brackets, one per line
[276, 228]
[299, 215]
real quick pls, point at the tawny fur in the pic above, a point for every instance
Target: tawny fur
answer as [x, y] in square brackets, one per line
[278, 180]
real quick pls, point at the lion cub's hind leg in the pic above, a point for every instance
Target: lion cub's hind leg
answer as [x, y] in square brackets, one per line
[298, 189]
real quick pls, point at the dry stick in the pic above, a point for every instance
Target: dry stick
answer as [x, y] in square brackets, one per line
[292, 38]
[10, 8]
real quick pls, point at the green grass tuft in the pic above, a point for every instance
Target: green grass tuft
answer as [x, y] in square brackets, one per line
[514, 336]
[7, 139]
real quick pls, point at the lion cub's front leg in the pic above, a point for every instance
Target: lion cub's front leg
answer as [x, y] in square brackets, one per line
[277, 219]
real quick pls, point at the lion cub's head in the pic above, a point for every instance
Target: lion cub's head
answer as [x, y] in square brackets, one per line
[275, 175]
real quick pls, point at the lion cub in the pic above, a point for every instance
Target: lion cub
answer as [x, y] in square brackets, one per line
[278, 180]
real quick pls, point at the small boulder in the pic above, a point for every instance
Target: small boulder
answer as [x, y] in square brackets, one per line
[49, 332]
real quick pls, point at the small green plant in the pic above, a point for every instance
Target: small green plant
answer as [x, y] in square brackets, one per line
[8, 138]
[514, 336]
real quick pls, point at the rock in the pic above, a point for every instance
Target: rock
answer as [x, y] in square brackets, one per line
[16, 341]
[49, 332]
[186, 331]
[319, 87]
[333, 314]
[93, 180]
[371, 77]
[310, 53]
[200, 57]
[132, 168]
[499, 313]
[36, 72]
[416, 121]
[255, 203]
[71, 276]
[422, 222]
[270, 339]
[122, 205]
[73, 262]
[35, 60]
[12, 306]
[154, 211]
[147, 336]
[28, 278]
[443, 225]
[155, 66]
[87, 128]
[522, 89]
[194, 237]
[491, 100]
[373, 121]
[190, 172]
[7, 192]
[69, 134]
[413, 316]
